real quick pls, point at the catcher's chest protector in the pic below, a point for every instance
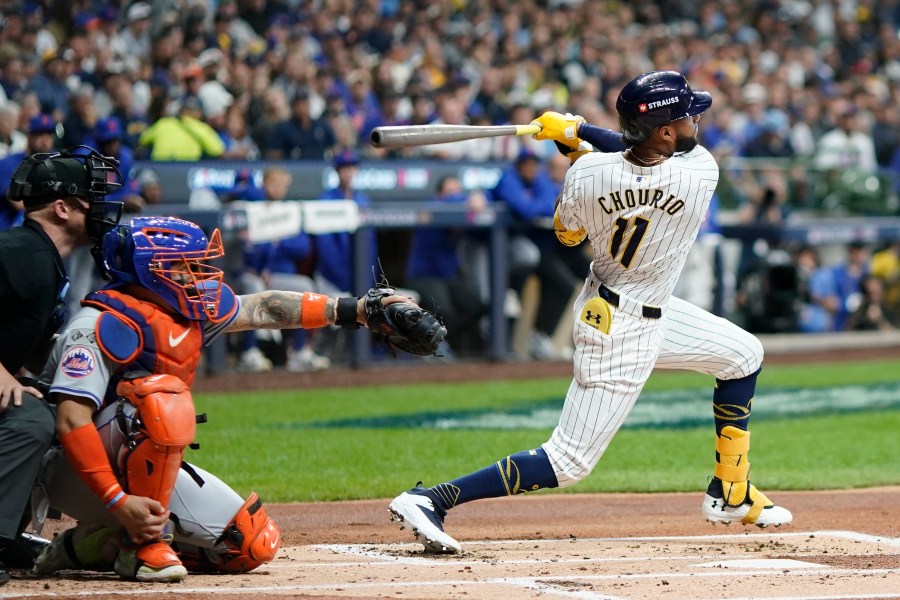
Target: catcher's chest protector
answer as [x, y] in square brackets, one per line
[139, 334]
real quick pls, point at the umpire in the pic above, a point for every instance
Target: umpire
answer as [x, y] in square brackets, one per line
[64, 201]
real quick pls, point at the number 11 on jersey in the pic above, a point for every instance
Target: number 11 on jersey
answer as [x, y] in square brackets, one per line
[636, 234]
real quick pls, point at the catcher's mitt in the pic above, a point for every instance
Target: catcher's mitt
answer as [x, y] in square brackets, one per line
[403, 325]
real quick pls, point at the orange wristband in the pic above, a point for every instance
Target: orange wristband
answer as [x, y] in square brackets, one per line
[312, 310]
[85, 453]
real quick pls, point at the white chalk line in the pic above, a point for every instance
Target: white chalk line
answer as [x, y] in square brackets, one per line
[373, 551]
[841, 597]
[386, 560]
[544, 584]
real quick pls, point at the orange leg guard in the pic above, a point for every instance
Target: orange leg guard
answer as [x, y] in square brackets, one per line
[250, 540]
[166, 424]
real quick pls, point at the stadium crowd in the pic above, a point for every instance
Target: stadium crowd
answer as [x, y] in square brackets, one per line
[814, 81]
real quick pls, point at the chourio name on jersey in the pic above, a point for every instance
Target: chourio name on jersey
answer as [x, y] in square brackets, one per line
[641, 197]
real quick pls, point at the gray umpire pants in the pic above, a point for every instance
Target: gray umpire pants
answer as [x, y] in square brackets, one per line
[25, 435]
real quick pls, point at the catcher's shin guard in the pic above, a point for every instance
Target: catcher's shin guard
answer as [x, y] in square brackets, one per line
[165, 423]
[250, 540]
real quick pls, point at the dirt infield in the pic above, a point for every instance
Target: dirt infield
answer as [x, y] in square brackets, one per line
[843, 544]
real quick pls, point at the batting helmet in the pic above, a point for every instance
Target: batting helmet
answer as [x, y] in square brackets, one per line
[79, 171]
[654, 99]
[170, 257]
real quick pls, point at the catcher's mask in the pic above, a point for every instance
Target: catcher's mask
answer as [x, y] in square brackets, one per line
[79, 172]
[169, 257]
[654, 99]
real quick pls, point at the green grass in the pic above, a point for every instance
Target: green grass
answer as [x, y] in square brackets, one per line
[259, 440]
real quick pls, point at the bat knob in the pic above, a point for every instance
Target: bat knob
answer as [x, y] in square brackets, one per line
[377, 137]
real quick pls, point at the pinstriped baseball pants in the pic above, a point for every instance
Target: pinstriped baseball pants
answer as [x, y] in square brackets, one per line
[611, 370]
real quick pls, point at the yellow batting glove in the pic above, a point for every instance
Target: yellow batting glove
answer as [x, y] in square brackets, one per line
[566, 237]
[562, 128]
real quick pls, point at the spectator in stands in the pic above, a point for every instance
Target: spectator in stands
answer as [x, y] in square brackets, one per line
[158, 96]
[108, 137]
[12, 141]
[488, 99]
[50, 84]
[508, 147]
[229, 29]
[870, 315]
[434, 270]
[886, 132]
[529, 195]
[282, 264]
[41, 138]
[847, 145]
[771, 141]
[764, 212]
[393, 114]
[183, 137]
[12, 77]
[817, 302]
[239, 145]
[78, 126]
[362, 105]
[885, 265]
[149, 187]
[136, 33]
[334, 251]
[848, 276]
[266, 111]
[300, 136]
[134, 123]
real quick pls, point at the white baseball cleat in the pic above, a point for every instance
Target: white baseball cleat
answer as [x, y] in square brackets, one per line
[416, 511]
[756, 510]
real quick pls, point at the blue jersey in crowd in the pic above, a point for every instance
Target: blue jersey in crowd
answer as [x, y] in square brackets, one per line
[433, 250]
[334, 251]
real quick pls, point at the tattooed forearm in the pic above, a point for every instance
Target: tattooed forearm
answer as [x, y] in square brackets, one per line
[274, 309]
[269, 310]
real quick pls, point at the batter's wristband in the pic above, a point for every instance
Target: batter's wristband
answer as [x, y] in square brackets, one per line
[312, 310]
[346, 313]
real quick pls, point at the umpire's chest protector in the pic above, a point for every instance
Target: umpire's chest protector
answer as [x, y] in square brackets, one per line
[138, 334]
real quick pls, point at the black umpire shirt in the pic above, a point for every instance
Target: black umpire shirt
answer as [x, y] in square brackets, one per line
[32, 284]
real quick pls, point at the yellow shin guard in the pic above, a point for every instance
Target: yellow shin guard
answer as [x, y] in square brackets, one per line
[733, 469]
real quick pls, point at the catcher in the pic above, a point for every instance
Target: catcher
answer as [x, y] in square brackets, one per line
[120, 375]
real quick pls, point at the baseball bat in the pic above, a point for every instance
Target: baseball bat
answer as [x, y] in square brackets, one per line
[401, 136]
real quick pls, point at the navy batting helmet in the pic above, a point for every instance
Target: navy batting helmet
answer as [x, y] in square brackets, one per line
[654, 99]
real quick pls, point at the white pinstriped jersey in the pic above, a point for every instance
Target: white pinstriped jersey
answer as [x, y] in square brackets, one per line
[641, 221]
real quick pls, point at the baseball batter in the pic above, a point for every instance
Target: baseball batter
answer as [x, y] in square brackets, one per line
[641, 208]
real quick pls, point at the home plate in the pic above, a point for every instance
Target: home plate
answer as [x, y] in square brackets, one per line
[760, 563]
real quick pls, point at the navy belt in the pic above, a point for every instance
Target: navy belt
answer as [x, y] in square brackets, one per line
[650, 312]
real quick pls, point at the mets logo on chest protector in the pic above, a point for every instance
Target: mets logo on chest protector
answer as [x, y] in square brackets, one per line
[596, 314]
[77, 362]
